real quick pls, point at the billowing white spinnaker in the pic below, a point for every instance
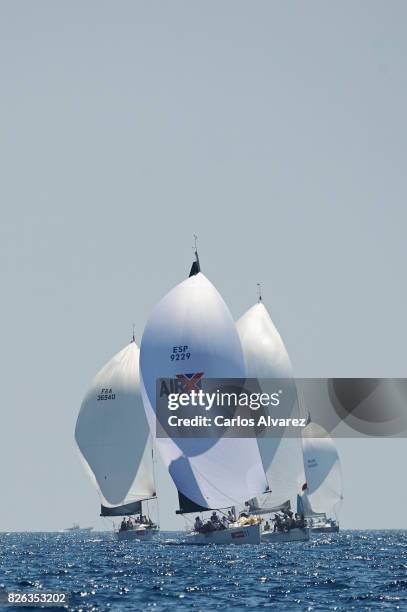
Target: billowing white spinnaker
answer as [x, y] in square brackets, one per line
[266, 357]
[264, 351]
[215, 472]
[112, 432]
[322, 469]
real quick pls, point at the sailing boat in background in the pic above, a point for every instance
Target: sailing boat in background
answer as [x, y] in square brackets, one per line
[115, 443]
[322, 491]
[189, 335]
[266, 357]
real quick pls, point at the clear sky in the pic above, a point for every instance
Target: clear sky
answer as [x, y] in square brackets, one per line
[276, 131]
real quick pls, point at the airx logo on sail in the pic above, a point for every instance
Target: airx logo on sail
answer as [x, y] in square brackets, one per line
[183, 383]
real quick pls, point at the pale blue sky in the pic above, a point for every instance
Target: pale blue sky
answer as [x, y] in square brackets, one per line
[276, 131]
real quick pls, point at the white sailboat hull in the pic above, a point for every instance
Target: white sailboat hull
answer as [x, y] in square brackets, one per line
[293, 535]
[325, 529]
[249, 534]
[142, 535]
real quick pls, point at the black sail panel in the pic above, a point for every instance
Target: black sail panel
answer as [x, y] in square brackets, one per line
[186, 505]
[125, 510]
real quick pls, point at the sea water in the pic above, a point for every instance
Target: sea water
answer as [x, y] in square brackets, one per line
[352, 570]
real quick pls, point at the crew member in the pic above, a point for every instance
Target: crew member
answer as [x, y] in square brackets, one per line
[198, 524]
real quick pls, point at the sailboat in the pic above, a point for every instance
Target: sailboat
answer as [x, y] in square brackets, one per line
[191, 336]
[115, 444]
[322, 492]
[266, 357]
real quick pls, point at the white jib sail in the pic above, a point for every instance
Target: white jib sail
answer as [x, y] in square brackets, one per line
[266, 357]
[322, 469]
[112, 432]
[212, 472]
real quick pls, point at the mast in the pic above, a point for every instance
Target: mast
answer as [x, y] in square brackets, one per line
[154, 477]
[259, 293]
[195, 268]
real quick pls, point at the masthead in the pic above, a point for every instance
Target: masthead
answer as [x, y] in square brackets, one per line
[195, 266]
[259, 292]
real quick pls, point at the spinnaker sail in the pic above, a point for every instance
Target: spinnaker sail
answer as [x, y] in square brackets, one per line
[113, 435]
[266, 357]
[323, 491]
[189, 333]
[264, 351]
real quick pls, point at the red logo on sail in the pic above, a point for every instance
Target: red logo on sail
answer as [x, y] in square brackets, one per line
[190, 381]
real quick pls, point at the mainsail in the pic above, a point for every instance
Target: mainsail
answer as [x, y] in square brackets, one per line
[191, 331]
[323, 490]
[113, 435]
[266, 357]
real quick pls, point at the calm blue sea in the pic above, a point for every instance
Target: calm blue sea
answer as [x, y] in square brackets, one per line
[359, 570]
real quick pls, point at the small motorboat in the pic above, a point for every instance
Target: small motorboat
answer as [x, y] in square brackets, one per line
[77, 529]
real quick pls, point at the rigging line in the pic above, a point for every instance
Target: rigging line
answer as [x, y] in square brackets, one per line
[106, 521]
[235, 502]
[188, 525]
[195, 249]
[153, 457]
